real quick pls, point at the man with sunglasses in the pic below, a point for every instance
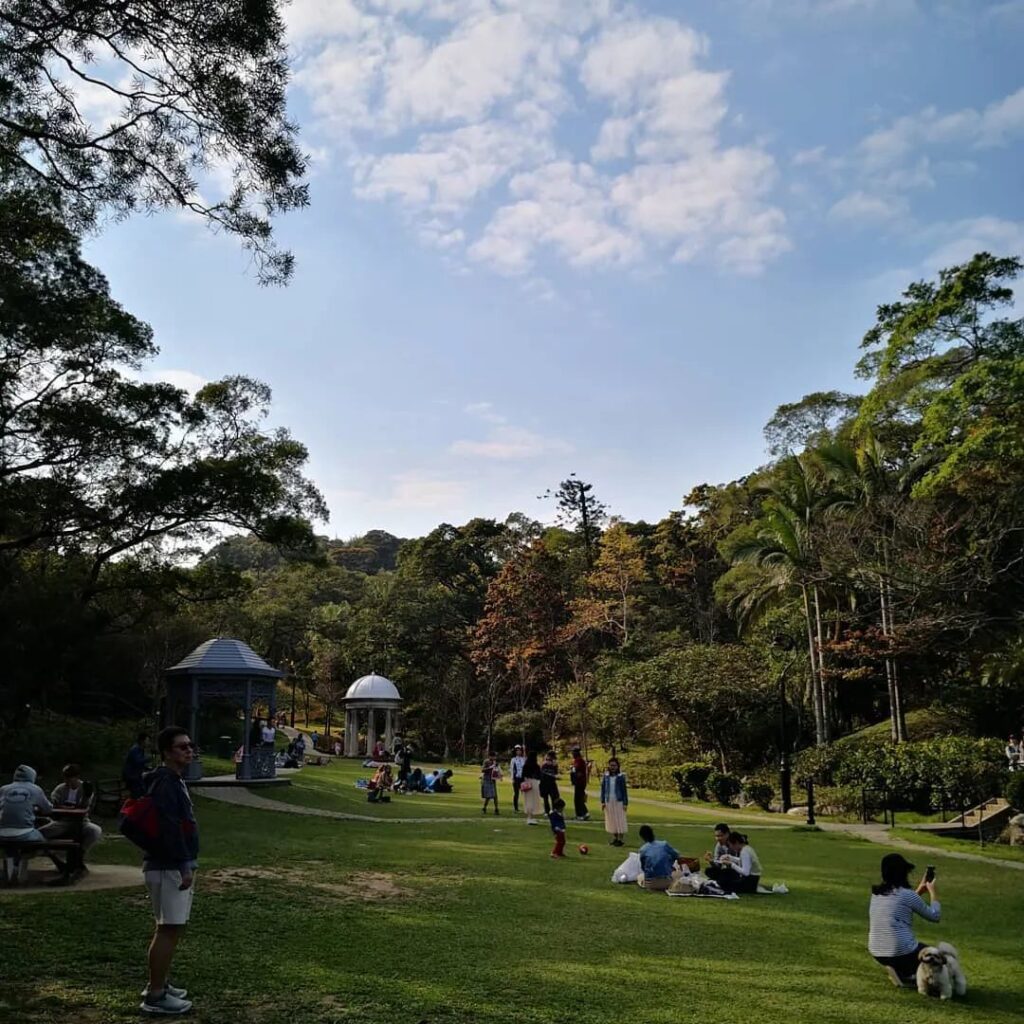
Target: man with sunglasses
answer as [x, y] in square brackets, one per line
[169, 869]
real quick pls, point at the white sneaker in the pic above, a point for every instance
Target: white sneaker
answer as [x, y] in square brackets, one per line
[166, 1006]
[178, 993]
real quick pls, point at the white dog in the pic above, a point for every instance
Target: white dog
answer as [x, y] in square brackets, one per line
[939, 973]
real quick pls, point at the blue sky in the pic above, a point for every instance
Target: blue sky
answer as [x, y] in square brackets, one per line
[553, 236]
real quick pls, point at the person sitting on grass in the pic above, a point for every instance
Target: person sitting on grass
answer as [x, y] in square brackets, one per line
[380, 785]
[557, 821]
[891, 939]
[72, 794]
[442, 781]
[713, 857]
[740, 869]
[657, 859]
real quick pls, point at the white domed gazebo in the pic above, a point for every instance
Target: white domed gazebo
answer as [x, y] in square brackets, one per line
[370, 694]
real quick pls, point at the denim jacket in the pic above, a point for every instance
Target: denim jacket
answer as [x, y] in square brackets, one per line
[619, 791]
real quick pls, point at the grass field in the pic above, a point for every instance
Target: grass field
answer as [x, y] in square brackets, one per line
[304, 919]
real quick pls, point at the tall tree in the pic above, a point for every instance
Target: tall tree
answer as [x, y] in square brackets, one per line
[580, 510]
[122, 105]
[96, 463]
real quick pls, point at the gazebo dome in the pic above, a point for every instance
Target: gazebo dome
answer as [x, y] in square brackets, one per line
[373, 687]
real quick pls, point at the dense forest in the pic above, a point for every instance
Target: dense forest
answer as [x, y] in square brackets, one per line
[873, 567]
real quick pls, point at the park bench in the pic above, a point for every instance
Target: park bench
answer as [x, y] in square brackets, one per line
[69, 866]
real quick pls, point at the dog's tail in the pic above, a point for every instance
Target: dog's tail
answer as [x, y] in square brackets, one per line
[948, 947]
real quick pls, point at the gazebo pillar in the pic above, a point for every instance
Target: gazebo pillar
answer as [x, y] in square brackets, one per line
[195, 769]
[371, 730]
[389, 728]
[351, 732]
[242, 771]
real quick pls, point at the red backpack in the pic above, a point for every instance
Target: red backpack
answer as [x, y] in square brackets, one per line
[139, 821]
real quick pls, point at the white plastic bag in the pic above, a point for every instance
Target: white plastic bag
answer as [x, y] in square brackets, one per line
[628, 871]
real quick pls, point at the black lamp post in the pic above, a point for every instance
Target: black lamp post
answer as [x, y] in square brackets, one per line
[784, 643]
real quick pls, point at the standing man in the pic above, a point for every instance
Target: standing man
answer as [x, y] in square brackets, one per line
[515, 769]
[268, 734]
[169, 869]
[578, 777]
[135, 765]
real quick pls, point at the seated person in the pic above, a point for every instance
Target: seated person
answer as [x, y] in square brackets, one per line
[415, 781]
[382, 778]
[657, 859]
[713, 857]
[442, 781]
[739, 870]
[19, 801]
[73, 794]
[429, 780]
[379, 751]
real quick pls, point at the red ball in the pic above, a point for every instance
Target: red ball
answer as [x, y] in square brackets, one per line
[584, 849]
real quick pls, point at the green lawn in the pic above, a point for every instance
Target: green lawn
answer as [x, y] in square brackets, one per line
[477, 925]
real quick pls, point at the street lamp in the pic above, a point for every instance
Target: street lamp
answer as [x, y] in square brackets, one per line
[781, 642]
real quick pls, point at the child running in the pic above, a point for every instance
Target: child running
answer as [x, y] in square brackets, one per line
[557, 820]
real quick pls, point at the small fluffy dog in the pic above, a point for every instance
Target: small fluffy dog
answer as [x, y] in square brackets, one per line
[939, 973]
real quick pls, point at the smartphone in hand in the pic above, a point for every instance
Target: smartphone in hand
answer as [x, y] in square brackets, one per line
[929, 875]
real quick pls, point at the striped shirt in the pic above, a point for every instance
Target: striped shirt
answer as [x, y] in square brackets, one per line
[891, 933]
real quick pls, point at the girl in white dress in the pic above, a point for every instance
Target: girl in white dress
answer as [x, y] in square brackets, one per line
[614, 801]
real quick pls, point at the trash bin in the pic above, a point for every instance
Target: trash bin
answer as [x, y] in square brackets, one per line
[225, 747]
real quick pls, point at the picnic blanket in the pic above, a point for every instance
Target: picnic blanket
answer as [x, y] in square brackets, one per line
[706, 895]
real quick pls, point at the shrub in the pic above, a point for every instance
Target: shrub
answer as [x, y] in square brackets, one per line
[759, 793]
[725, 788]
[1014, 790]
[844, 801]
[691, 778]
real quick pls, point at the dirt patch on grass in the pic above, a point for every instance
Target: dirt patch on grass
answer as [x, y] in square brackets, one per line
[363, 886]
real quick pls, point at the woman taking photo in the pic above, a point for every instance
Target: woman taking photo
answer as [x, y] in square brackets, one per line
[614, 801]
[891, 939]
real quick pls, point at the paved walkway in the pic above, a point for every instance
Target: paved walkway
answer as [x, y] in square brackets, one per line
[873, 833]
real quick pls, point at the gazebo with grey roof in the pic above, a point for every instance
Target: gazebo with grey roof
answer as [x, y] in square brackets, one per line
[228, 669]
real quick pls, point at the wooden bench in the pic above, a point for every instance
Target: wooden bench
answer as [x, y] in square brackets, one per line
[70, 867]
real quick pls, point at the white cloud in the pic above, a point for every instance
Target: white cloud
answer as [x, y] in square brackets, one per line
[455, 110]
[998, 123]
[864, 209]
[505, 443]
[957, 241]
[416, 489]
[484, 411]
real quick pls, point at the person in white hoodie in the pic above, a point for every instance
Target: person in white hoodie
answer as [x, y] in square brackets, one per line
[19, 801]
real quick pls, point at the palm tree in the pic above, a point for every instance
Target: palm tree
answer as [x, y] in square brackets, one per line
[868, 483]
[784, 545]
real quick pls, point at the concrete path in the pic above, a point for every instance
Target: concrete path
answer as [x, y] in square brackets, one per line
[875, 833]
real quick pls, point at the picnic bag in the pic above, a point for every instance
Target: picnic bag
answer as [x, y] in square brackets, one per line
[525, 786]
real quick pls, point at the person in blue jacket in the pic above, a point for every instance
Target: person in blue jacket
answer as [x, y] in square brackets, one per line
[614, 801]
[169, 869]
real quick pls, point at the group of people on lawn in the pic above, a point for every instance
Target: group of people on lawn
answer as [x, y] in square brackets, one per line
[535, 782]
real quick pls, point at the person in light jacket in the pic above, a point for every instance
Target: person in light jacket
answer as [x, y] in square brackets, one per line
[614, 801]
[73, 794]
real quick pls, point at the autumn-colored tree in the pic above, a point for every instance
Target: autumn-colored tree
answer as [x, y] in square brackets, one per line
[515, 642]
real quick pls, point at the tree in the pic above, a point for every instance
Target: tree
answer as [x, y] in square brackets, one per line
[579, 509]
[783, 542]
[95, 463]
[122, 105]
[721, 692]
[813, 421]
[516, 639]
[611, 585]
